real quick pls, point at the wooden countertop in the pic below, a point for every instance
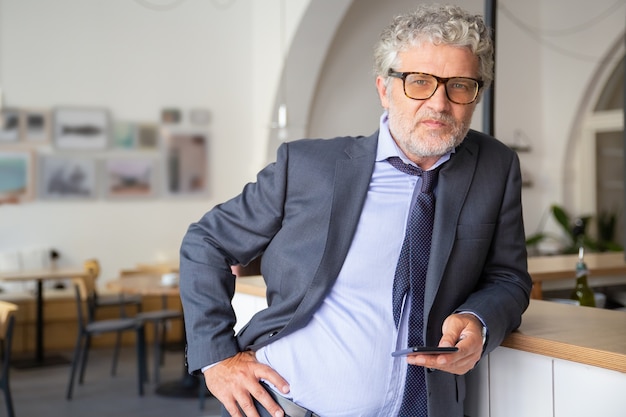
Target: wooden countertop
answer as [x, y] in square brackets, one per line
[251, 285]
[587, 335]
[591, 336]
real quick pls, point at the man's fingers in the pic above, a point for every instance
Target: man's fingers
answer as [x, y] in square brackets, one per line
[235, 382]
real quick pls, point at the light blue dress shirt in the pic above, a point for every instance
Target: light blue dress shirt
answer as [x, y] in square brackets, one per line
[340, 364]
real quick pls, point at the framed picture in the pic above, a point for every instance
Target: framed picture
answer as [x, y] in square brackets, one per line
[9, 125]
[67, 177]
[147, 136]
[81, 128]
[16, 175]
[199, 117]
[186, 161]
[124, 135]
[171, 115]
[35, 125]
[132, 177]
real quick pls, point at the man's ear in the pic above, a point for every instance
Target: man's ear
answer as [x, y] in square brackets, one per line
[382, 89]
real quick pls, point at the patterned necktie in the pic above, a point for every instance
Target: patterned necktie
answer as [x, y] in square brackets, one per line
[411, 274]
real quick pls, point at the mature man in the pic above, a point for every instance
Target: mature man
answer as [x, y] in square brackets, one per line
[346, 284]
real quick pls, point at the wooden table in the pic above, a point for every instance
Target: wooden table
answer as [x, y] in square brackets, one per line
[547, 268]
[147, 284]
[158, 267]
[40, 275]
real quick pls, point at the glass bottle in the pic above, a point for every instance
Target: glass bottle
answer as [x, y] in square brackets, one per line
[582, 293]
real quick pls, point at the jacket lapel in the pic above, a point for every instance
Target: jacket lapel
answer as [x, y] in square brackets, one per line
[352, 178]
[453, 185]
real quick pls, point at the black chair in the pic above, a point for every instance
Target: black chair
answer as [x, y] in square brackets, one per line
[119, 300]
[88, 327]
[158, 319]
[7, 323]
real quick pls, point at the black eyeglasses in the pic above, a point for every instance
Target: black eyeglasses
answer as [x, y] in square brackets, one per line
[422, 86]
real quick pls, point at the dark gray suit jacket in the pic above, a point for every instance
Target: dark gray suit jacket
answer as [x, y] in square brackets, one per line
[301, 215]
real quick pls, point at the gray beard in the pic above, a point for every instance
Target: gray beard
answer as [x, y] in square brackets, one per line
[431, 145]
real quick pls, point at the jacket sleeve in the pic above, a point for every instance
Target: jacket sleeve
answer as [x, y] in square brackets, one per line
[234, 232]
[503, 290]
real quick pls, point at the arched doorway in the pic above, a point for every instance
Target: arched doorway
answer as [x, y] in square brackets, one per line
[594, 168]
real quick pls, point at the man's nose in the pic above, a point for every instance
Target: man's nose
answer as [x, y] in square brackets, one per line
[439, 100]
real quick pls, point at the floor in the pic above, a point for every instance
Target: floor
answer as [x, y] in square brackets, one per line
[41, 391]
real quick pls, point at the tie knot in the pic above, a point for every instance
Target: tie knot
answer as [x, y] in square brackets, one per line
[399, 164]
[429, 178]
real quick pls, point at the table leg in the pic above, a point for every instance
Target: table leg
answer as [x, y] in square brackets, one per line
[39, 326]
[39, 359]
[185, 387]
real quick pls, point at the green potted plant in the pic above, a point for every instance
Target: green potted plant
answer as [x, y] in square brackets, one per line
[575, 233]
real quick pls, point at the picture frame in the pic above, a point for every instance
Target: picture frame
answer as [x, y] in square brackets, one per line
[124, 135]
[67, 177]
[80, 128]
[130, 177]
[9, 125]
[171, 115]
[199, 117]
[147, 136]
[186, 154]
[16, 175]
[35, 125]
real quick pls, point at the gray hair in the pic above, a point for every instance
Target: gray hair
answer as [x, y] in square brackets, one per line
[440, 25]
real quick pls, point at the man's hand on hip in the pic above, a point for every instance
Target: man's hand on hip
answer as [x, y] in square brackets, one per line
[235, 383]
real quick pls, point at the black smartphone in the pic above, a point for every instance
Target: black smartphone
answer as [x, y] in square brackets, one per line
[425, 350]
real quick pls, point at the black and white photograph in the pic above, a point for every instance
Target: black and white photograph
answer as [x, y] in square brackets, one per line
[9, 125]
[67, 177]
[35, 125]
[81, 128]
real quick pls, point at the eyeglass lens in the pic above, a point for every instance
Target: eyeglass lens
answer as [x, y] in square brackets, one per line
[422, 86]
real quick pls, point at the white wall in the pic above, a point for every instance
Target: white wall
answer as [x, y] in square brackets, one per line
[569, 41]
[226, 56]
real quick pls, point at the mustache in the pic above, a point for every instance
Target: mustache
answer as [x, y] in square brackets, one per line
[436, 116]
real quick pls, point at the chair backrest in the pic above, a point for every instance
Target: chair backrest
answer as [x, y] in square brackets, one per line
[124, 273]
[84, 296]
[7, 315]
[7, 323]
[92, 266]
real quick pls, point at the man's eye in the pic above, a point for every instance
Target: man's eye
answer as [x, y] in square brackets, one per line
[460, 86]
[417, 82]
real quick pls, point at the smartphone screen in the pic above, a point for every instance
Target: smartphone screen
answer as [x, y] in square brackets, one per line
[425, 350]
